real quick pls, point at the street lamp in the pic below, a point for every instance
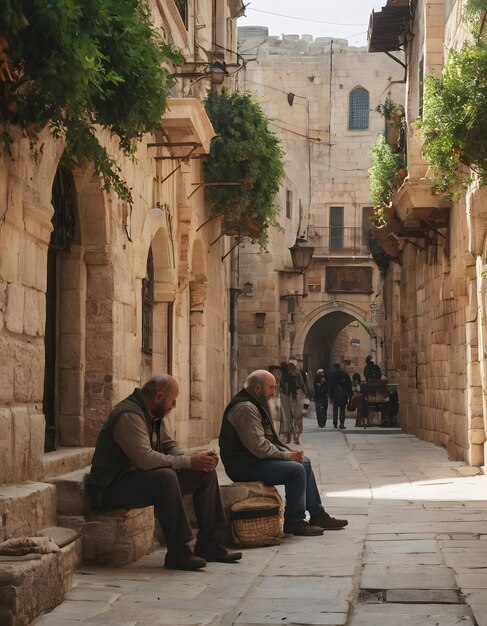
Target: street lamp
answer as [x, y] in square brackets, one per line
[301, 255]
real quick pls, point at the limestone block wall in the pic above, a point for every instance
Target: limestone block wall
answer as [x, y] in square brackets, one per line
[434, 319]
[24, 234]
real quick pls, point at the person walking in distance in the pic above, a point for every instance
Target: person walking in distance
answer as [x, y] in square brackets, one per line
[321, 397]
[340, 391]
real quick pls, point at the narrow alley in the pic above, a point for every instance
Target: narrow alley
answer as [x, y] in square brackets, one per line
[414, 552]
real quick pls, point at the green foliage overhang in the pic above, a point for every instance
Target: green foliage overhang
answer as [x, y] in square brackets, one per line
[81, 65]
[454, 126]
[382, 175]
[245, 152]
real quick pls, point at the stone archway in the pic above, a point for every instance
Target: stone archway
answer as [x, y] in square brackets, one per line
[318, 336]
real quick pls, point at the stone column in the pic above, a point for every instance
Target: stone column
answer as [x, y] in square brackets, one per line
[198, 364]
[98, 398]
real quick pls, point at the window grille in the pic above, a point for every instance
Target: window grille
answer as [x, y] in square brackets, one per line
[182, 6]
[148, 305]
[336, 228]
[64, 202]
[358, 112]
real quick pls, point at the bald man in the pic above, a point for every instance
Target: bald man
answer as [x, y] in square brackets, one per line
[251, 450]
[136, 463]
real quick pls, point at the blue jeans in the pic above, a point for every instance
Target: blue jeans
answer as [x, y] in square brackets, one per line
[299, 483]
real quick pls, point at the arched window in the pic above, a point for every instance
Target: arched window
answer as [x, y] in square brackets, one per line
[148, 305]
[358, 109]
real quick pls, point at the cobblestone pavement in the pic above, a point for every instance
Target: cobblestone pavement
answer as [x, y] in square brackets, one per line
[414, 553]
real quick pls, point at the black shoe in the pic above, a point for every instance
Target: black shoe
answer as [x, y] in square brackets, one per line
[216, 553]
[327, 522]
[342, 426]
[183, 559]
[302, 529]
[335, 425]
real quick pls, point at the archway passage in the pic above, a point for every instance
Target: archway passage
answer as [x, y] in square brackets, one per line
[336, 337]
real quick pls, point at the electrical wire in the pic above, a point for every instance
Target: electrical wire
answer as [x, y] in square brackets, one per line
[304, 19]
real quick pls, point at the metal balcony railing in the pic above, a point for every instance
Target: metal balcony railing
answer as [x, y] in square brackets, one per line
[336, 241]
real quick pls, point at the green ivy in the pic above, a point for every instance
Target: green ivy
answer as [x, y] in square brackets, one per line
[246, 152]
[83, 64]
[455, 109]
[382, 175]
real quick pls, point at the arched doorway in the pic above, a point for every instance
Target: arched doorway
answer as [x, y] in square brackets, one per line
[62, 236]
[335, 334]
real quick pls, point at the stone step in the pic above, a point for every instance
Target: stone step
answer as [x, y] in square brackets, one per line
[64, 460]
[26, 508]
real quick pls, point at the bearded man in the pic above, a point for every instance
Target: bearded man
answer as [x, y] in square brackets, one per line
[136, 463]
[251, 450]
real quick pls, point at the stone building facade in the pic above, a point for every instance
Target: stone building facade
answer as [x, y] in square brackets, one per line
[96, 295]
[320, 96]
[435, 312]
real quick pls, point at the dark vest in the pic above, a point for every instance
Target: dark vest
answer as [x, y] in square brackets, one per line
[109, 460]
[234, 455]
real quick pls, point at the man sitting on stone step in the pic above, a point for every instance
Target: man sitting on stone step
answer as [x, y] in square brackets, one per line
[251, 450]
[137, 464]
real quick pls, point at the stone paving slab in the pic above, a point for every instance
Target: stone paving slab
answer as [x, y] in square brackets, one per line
[401, 576]
[411, 615]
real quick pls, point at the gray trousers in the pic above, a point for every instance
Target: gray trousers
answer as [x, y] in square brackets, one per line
[164, 489]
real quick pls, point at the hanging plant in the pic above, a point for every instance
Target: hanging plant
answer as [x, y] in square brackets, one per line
[455, 108]
[385, 172]
[247, 153]
[78, 65]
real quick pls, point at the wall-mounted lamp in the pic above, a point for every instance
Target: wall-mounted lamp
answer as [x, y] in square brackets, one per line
[301, 255]
[216, 72]
[260, 319]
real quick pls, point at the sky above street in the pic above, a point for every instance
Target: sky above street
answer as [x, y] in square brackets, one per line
[343, 19]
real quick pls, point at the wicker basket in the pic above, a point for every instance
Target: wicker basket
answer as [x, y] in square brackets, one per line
[256, 522]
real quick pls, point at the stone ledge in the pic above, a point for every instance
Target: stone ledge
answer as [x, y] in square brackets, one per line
[29, 588]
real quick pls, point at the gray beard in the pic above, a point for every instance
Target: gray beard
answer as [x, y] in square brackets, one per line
[270, 406]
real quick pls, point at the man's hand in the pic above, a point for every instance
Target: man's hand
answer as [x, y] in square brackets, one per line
[204, 461]
[297, 455]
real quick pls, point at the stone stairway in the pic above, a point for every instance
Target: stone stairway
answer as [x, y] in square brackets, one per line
[33, 584]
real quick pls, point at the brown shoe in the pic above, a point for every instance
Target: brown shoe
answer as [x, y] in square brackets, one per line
[216, 553]
[327, 522]
[302, 529]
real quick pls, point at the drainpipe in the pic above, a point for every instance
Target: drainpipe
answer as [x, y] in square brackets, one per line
[234, 293]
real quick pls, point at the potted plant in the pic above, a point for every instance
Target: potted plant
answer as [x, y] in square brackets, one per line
[245, 166]
[393, 114]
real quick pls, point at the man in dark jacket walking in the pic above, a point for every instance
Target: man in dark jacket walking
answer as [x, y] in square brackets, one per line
[251, 450]
[136, 463]
[340, 390]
